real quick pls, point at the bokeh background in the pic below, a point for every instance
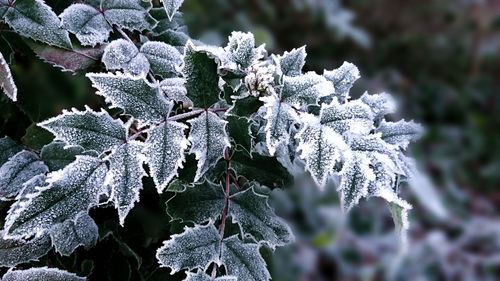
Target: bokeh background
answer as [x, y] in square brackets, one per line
[439, 58]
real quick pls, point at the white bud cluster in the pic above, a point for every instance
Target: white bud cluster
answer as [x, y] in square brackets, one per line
[260, 78]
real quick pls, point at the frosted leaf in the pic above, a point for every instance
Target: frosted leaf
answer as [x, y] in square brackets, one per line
[240, 132]
[202, 80]
[400, 133]
[57, 156]
[71, 190]
[241, 48]
[30, 188]
[380, 104]
[123, 54]
[89, 129]
[135, 95]
[372, 143]
[355, 177]
[3, 7]
[353, 116]
[41, 274]
[196, 247]
[14, 251]
[70, 234]
[36, 20]
[305, 89]
[8, 148]
[164, 150]
[400, 218]
[244, 260]
[209, 198]
[165, 23]
[6, 81]
[321, 148]
[18, 170]
[256, 219]
[125, 177]
[280, 117]
[175, 89]
[87, 23]
[171, 6]
[291, 63]
[165, 60]
[343, 78]
[209, 139]
[129, 14]
[202, 276]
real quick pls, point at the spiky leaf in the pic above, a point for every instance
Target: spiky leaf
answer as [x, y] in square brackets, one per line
[241, 48]
[6, 81]
[400, 133]
[380, 104]
[354, 117]
[171, 6]
[70, 234]
[57, 156]
[165, 60]
[14, 251]
[41, 274]
[305, 89]
[343, 78]
[355, 177]
[291, 63]
[243, 260]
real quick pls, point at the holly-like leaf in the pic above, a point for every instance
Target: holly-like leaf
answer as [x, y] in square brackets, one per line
[380, 104]
[89, 129]
[202, 80]
[36, 20]
[196, 247]
[305, 89]
[18, 170]
[356, 174]
[239, 130]
[164, 150]
[241, 48]
[123, 54]
[243, 260]
[291, 63]
[6, 81]
[125, 177]
[74, 60]
[74, 189]
[280, 117]
[135, 95]
[209, 139]
[41, 274]
[202, 276]
[57, 156]
[70, 234]
[400, 133]
[92, 24]
[343, 78]
[8, 148]
[165, 60]
[171, 6]
[175, 89]
[354, 116]
[321, 148]
[17, 251]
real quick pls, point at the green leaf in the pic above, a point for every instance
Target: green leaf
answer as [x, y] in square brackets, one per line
[89, 129]
[239, 130]
[6, 81]
[74, 189]
[41, 273]
[196, 247]
[8, 148]
[125, 176]
[135, 95]
[71, 234]
[202, 80]
[209, 139]
[36, 20]
[36, 137]
[14, 251]
[57, 156]
[244, 260]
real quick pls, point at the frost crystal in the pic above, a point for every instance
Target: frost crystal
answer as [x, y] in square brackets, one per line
[6, 81]
[123, 54]
[70, 234]
[209, 139]
[41, 273]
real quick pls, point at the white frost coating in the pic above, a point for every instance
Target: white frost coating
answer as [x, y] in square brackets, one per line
[305, 89]
[243, 260]
[165, 152]
[196, 247]
[399, 210]
[14, 252]
[129, 14]
[175, 89]
[89, 129]
[320, 147]
[41, 274]
[67, 236]
[353, 116]
[19, 169]
[87, 23]
[343, 78]
[400, 133]
[291, 63]
[280, 117]
[202, 276]
[125, 176]
[259, 79]
[165, 60]
[241, 48]
[209, 139]
[380, 104]
[6, 81]
[356, 175]
[172, 6]
[135, 95]
[123, 54]
[71, 190]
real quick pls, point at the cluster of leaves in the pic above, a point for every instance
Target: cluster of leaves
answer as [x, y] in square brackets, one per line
[249, 119]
